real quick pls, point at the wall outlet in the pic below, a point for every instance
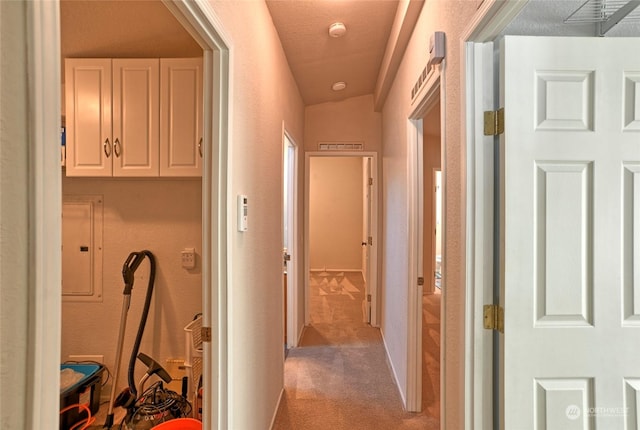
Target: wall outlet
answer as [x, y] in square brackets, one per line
[81, 358]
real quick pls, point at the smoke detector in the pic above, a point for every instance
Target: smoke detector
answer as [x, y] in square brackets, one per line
[337, 29]
[339, 86]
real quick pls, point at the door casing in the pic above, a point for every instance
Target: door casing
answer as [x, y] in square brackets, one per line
[373, 256]
[44, 340]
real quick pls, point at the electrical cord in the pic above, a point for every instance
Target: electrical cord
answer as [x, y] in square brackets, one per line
[84, 423]
[158, 405]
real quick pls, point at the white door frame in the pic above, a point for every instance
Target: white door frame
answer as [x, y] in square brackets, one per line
[431, 92]
[46, 198]
[292, 296]
[373, 257]
[491, 19]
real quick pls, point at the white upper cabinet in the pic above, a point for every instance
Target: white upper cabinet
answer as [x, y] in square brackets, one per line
[181, 117]
[89, 141]
[122, 121]
[135, 117]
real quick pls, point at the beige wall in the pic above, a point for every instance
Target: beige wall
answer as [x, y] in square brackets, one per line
[14, 233]
[335, 213]
[351, 120]
[263, 95]
[451, 17]
[162, 216]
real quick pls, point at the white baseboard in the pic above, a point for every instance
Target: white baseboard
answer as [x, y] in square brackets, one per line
[275, 413]
[324, 269]
[393, 371]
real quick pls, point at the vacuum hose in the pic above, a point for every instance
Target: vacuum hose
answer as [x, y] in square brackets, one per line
[145, 311]
[128, 271]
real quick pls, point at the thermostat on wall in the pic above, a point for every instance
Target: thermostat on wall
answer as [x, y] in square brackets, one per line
[242, 212]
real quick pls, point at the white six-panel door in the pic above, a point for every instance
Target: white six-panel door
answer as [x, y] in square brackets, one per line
[570, 233]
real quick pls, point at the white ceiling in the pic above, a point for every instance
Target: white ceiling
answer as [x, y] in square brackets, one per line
[134, 28]
[317, 60]
[143, 28]
[122, 28]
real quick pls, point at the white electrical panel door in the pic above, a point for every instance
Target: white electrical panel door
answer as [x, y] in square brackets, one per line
[82, 248]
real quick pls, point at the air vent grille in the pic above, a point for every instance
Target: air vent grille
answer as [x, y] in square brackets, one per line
[340, 146]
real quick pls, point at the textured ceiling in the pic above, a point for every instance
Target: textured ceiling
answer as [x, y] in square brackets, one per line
[122, 28]
[318, 60]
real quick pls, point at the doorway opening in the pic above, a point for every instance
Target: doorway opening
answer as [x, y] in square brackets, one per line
[290, 233]
[341, 226]
[432, 259]
[196, 18]
[427, 256]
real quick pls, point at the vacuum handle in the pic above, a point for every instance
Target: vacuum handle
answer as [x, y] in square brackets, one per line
[129, 268]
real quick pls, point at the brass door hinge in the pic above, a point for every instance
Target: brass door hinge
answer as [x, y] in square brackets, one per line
[370, 240]
[494, 122]
[370, 181]
[205, 334]
[420, 280]
[369, 298]
[494, 318]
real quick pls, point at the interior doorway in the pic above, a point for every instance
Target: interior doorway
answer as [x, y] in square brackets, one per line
[432, 258]
[427, 294]
[289, 249]
[341, 221]
[216, 66]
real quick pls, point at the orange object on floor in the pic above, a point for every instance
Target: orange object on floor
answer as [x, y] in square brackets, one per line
[180, 424]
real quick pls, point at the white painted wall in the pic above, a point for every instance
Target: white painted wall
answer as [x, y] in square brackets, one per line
[263, 95]
[450, 17]
[335, 213]
[351, 120]
[163, 216]
[14, 258]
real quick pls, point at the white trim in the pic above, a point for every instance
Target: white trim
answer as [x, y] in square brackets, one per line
[45, 206]
[277, 408]
[293, 299]
[490, 20]
[374, 228]
[393, 369]
[429, 94]
[46, 200]
[330, 269]
[199, 19]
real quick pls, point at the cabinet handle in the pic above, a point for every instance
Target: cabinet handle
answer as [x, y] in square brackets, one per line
[107, 147]
[117, 147]
[200, 147]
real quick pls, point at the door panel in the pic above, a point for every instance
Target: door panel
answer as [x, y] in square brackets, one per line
[136, 117]
[570, 235]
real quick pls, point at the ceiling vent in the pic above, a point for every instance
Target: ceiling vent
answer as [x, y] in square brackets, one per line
[340, 146]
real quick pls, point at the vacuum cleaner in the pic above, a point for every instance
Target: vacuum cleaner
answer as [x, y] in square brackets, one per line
[145, 407]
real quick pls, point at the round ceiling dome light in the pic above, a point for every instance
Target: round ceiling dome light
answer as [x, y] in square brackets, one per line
[339, 86]
[337, 29]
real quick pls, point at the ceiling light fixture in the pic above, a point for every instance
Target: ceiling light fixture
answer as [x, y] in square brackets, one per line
[337, 29]
[339, 86]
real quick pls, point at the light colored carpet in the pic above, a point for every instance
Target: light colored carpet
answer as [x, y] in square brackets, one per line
[339, 377]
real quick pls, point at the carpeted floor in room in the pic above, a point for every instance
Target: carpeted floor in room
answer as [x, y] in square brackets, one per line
[339, 377]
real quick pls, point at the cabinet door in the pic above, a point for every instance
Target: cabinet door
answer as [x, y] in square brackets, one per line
[135, 117]
[181, 117]
[88, 117]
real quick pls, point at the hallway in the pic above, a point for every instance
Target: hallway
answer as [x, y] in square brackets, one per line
[339, 377]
